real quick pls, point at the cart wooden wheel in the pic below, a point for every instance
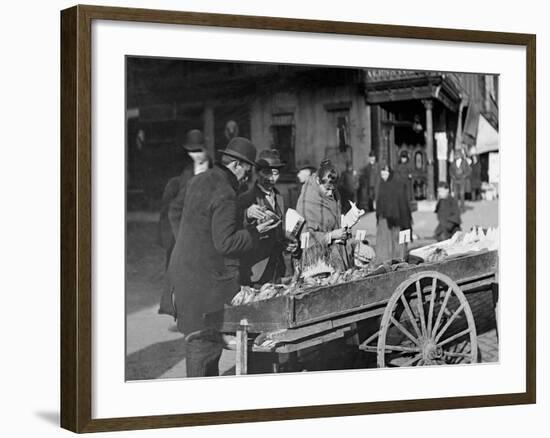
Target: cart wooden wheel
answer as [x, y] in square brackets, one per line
[427, 321]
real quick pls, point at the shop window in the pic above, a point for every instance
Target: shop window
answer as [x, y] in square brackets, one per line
[282, 132]
[342, 132]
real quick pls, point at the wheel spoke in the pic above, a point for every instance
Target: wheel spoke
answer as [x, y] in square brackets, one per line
[431, 309]
[403, 349]
[462, 347]
[420, 305]
[371, 338]
[449, 322]
[442, 309]
[404, 330]
[410, 315]
[365, 344]
[450, 354]
[412, 361]
[456, 336]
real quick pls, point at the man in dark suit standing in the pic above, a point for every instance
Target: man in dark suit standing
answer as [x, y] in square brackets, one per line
[459, 172]
[196, 149]
[266, 263]
[203, 273]
[369, 180]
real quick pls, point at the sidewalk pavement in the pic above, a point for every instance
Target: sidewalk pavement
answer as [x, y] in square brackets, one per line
[480, 213]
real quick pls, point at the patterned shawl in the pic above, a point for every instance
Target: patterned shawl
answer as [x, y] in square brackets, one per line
[322, 214]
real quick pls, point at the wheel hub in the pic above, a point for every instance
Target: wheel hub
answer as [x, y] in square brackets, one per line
[431, 351]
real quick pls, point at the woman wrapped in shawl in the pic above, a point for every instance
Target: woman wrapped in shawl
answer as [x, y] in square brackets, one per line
[319, 205]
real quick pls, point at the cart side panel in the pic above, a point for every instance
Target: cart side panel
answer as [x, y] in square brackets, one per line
[325, 302]
[329, 301]
[482, 305]
[261, 316]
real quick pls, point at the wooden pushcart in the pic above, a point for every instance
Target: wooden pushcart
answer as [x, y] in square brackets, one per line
[425, 314]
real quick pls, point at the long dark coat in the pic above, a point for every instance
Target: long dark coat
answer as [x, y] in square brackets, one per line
[204, 268]
[175, 206]
[166, 233]
[265, 263]
[170, 216]
[475, 176]
[393, 214]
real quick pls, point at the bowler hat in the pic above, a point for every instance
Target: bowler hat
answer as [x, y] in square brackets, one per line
[194, 141]
[269, 159]
[242, 149]
[307, 166]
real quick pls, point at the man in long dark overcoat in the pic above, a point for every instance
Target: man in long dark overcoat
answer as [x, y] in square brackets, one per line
[196, 149]
[204, 267]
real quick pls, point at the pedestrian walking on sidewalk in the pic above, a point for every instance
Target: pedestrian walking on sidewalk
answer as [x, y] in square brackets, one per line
[369, 180]
[459, 172]
[475, 178]
[393, 214]
[175, 189]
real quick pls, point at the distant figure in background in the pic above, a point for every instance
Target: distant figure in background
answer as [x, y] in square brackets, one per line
[393, 214]
[403, 173]
[349, 183]
[475, 178]
[459, 172]
[304, 173]
[448, 213]
[369, 180]
[194, 146]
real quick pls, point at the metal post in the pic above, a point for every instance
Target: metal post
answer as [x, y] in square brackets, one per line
[241, 360]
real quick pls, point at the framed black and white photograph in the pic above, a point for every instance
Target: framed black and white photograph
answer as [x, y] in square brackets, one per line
[271, 218]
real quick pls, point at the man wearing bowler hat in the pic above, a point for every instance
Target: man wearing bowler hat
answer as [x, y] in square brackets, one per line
[172, 199]
[196, 149]
[263, 201]
[203, 273]
[172, 203]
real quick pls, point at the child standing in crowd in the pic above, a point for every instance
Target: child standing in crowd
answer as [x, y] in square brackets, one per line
[448, 213]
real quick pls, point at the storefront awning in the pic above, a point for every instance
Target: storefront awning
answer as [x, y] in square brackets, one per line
[487, 137]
